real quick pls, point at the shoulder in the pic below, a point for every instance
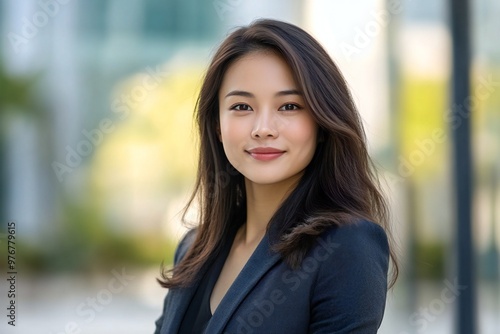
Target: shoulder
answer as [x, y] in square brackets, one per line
[355, 254]
[351, 283]
[185, 243]
[360, 236]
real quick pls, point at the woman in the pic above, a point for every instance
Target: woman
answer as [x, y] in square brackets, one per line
[292, 234]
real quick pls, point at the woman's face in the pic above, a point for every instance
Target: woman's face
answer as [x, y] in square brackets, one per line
[268, 134]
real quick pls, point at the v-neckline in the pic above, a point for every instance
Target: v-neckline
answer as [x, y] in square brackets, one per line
[228, 247]
[219, 265]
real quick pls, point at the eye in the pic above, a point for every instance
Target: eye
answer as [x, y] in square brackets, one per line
[289, 107]
[241, 107]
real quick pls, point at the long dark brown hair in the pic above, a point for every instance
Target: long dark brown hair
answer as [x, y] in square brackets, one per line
[338, 187]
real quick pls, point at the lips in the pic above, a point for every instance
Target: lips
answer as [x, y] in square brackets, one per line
[265, 153]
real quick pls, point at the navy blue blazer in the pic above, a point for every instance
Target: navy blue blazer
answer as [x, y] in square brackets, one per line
[340, 287]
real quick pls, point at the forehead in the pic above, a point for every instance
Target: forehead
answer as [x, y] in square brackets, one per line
[259, 71]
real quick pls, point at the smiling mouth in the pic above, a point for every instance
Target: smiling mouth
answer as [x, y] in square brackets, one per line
[265, 154]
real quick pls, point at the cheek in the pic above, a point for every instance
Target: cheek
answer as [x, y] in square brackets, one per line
[232, 131]
[232, 136]
[304, 133]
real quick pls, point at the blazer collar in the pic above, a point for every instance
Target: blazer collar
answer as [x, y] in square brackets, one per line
[261, 260]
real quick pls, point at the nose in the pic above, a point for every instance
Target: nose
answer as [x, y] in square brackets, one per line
[265, 126]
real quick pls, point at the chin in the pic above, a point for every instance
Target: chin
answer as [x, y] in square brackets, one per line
[263, 179]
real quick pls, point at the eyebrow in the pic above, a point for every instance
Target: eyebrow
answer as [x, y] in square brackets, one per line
[248, 94]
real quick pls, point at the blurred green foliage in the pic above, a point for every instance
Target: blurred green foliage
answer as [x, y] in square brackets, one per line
[424, 107]
[430, 260]
[423, 104]
[18, 94]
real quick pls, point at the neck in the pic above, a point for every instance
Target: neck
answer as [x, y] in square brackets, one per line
[263, 201]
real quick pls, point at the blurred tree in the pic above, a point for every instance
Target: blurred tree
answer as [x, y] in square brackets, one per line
[16, 100]
[422, 104]
[148, 160]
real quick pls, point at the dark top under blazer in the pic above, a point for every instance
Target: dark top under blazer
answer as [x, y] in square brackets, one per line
[340, 287]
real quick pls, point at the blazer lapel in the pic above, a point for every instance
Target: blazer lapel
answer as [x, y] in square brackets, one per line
[257, 265]
[179, 300]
